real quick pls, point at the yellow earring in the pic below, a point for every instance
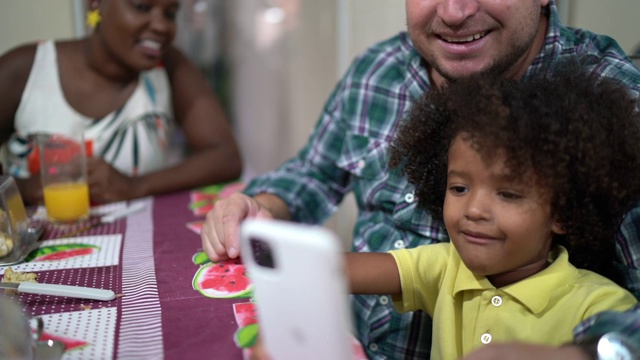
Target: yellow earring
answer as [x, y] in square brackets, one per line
[93, 18]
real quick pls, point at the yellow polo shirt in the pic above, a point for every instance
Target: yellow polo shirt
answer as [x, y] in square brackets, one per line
[468, 311]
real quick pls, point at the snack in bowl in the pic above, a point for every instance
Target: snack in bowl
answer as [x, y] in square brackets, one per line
[6, 244]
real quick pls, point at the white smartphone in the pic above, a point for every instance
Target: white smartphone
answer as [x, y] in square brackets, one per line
[299, 288]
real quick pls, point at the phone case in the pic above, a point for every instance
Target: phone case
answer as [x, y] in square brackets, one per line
[299, 288]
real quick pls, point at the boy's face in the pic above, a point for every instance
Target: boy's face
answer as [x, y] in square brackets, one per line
[502, 228]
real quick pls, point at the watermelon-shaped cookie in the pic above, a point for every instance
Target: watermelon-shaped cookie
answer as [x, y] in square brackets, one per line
[200, 258]
[247, 334]
[195, 226]
[61, 252]
[223, 279]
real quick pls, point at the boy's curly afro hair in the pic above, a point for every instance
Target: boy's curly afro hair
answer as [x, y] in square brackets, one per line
[578, 136]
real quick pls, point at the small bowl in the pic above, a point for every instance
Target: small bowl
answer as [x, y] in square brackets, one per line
[49, 350]
[15, 228]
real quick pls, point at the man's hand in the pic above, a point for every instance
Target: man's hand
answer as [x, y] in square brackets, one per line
[521, 351]
[220, 232]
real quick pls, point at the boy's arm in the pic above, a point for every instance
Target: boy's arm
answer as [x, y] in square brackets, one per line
[372, 273]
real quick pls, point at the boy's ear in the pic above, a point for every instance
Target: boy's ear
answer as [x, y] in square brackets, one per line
[558, 228]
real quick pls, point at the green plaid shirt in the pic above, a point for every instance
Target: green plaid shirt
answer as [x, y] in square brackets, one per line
[347, 153]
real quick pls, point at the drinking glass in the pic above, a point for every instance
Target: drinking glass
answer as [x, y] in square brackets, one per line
[20, 335]
[16, 339]
[63, 169]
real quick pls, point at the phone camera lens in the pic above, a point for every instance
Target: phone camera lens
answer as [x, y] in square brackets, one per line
[262, 253]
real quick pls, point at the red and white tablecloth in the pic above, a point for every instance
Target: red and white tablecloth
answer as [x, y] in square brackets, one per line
[147, 260]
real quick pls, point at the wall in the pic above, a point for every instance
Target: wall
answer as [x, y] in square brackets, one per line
[284, 72]
[371, 21]
[29, 20]
[280, 76]
[618, 19]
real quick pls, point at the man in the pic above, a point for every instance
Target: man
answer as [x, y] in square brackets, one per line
[446, 40]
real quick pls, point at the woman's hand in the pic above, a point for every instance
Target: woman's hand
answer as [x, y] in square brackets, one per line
[106, 184]
[30, 190]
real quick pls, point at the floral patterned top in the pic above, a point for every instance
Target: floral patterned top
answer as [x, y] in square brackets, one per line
[134, 138]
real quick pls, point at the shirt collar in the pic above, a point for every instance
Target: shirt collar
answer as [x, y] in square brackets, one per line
[551, 50]
[466, 280]
[534, 292]
[416, 76]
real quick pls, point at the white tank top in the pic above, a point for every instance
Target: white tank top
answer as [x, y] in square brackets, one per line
[134, 138]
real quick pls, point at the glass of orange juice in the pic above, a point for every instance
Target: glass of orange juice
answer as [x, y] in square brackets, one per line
[63, 169]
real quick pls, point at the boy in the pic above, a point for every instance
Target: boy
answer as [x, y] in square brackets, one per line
[522, 174]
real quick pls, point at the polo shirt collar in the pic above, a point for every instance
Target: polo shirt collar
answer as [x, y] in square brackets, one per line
[533, 292]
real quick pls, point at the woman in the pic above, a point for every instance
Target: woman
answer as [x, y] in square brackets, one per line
[126, 86]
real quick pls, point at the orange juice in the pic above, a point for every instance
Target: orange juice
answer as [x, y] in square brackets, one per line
[67, 202]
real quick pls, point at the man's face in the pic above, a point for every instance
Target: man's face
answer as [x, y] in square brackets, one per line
[459, 38]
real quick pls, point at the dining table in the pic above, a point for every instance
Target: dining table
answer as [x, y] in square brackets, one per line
[150, 260]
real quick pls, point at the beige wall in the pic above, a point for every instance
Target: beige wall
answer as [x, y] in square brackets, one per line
[29, 20]
[282, 74]
[370, 21]
[619, 19]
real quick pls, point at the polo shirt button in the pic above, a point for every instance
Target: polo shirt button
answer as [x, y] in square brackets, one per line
[361, 164]
[485, 338]
[496, 301]
[373, 347]
[409, 198]
[384, 300]
[399, 244]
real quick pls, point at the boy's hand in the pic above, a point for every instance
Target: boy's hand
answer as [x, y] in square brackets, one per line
[259, 351]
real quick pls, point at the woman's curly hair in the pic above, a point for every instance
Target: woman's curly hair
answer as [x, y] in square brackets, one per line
[572, 134]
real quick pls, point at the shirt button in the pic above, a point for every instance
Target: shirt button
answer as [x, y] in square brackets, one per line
[373, 347]
[384, 300]
[485, 338]
[496, 301]
[409, 198]
[399, 244]
[361, 164]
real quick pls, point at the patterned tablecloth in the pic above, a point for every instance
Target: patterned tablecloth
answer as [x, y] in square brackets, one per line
[147, 259]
